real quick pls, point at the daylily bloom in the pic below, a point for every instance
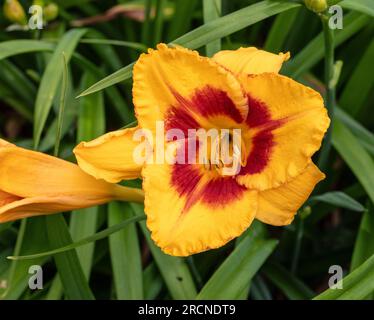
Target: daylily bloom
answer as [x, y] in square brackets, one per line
[193, 207]
[33, 183]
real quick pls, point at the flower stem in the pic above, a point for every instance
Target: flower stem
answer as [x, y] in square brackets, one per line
[62, 106]
[299, 238]
[330, 82]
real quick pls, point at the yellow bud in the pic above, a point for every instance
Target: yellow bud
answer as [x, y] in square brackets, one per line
[317, 6]
[50, 11]
[14, 12]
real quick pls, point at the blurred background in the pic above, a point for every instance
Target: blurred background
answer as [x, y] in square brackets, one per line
[99, 39]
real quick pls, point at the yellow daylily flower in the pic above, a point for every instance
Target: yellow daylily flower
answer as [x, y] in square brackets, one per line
[194, 207]
[33, 183]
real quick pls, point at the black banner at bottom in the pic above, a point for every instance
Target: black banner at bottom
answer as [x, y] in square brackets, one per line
[181, 309]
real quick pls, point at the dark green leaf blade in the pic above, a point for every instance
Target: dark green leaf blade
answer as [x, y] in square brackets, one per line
[207, 33]
[234, 274]
[125, 255]
[340, 199]
[355, 155]
[51, 79]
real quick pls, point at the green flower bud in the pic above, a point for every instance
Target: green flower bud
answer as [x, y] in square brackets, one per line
[317, 6]
[305, 212]
[50, 11]
[14, 12]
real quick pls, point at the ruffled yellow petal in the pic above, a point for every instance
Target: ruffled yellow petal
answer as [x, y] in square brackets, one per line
[187, 216]
[184, 89]
[250, 60]
[32, 183]
[278, 206]
[111, 156]
[287, 122]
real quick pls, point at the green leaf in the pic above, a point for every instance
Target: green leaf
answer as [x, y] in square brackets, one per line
[70, 114]
[364, 136]
[291, 286]
[112, 92]
[360, 84]
[97, 236]
[259, 289]
[207, 33]
[315, 50]
[355, 156]
[27, 242]
[280, 30]
[147, 22]
[116, 77]
[127, 44]
[364, 246]
[11, 100]
[153, 283]
[51, 79]
[13, 47]
[125, 255]
[158, 23]
[91, 117]
[339, 199]
[69, 268]
[56, 290]
[363, 6]
[232, 22]
[212, 10]
[234, 274]
[356, 286]
[174, 270]
[182, 18]
[83, 223]
[61, 108]
[17, 82]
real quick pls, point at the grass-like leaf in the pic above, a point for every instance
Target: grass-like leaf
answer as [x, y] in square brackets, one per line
[13, 47]
[339, 199]
[364, 246]
[125, 254]
[51, 79]
[364, 6]
[97, 236]
[357, 285]
[207, 33]
[235, 273]
[360, 162]
[174, 270]
[69, 268]
[314, 51]
[290, 285]
[364, 136]
[212, 10]
[360, 84]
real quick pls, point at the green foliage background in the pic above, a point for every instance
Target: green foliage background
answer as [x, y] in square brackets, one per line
[111, 255]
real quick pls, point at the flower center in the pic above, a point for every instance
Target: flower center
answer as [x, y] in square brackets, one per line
[226, 154]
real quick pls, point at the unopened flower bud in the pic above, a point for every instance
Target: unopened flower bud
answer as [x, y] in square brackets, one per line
[14, 12]
[305, 212]
[50, 11]
[317, 6]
